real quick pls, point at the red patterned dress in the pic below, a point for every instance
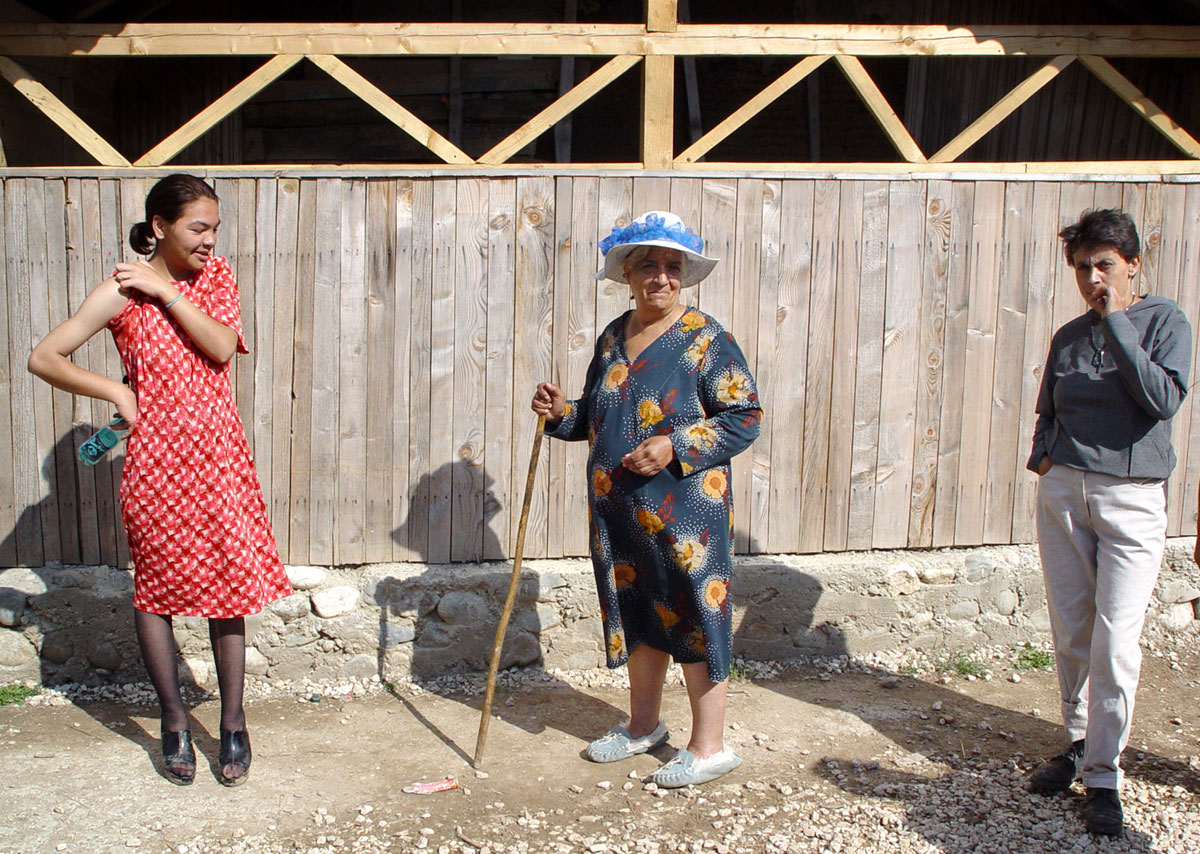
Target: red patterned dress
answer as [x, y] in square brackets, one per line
[198, 530]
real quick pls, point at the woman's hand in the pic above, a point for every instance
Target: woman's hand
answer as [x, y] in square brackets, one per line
[127, 407]
[650, 457]
[141, 278]
[549, 400]
[1045, 465]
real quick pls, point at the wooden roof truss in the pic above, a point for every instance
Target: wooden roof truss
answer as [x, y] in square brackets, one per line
[655, 44]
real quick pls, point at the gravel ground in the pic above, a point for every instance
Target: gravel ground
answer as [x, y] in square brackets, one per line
[884, 754]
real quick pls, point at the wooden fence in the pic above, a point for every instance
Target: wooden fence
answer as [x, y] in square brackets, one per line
[397, 326]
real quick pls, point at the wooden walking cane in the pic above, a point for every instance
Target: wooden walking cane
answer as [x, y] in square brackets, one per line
[512, 595]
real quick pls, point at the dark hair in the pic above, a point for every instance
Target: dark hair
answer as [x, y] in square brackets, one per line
[1111, 227]
[167, 199]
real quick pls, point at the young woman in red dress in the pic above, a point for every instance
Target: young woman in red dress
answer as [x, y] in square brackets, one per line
[198, 531]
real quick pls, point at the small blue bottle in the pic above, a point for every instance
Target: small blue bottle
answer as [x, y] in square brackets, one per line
[103, 441]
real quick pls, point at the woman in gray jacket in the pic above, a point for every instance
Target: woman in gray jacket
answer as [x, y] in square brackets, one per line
[1102, 445]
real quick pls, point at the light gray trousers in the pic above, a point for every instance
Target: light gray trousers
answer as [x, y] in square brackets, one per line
[1101, 540]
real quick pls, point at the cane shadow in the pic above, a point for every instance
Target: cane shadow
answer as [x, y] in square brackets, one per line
[442, 620]
[78, 616]
[932, 725]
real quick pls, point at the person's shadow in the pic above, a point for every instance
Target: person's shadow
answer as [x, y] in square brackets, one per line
[77, 618]
[443, 620]
[931, 724]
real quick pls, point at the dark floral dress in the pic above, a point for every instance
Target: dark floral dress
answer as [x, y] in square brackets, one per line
[662, 546]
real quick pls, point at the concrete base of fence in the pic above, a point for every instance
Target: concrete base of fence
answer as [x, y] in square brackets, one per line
[63, 624]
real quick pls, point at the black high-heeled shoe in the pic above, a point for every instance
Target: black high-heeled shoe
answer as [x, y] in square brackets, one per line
[235, 750]
[177, 750]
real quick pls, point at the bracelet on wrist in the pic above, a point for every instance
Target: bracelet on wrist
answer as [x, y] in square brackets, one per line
[178, 297]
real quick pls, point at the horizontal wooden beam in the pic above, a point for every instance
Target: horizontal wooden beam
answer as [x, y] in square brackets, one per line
[1002, 109]
[207, 118]
[571, 39]
[1170, 171]
[561, 108]
[59, 113]
[1146, 108]
[389, 109]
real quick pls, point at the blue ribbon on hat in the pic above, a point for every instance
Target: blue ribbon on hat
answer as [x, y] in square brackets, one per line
[654, 227]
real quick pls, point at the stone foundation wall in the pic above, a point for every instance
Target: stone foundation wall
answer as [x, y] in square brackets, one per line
[74, 624]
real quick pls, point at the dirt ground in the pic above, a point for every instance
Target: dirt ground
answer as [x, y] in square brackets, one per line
[857, 761]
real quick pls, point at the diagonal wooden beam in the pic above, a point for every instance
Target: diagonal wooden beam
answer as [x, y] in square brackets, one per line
[896, 132]
[60, 114]
[393, 112]
[207, 118]
[751, 108]
[1148, 110]
[547, 118]
[1001, 110]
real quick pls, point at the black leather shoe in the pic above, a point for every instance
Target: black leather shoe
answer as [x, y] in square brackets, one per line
[1102, 814]
[235, 750]
[1057, 774]
[178, 754]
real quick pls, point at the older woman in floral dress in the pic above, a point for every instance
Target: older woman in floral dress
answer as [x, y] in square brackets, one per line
[667, 402]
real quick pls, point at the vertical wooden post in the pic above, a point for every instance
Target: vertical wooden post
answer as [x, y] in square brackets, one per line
[695, 126]
[658, 91]
[454, 127]
[566, 80]
[662, 15]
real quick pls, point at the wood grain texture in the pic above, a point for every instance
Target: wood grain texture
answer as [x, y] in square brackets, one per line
[815, 439]
[979, 360]
[1043, 254]
[1005, 433]
[578, 340]
[444, 282]
[10, 508]
[844, 358]
[534, 270]
[899, 371]
[950, 436]
[402, 281]
[761, 519]
[300, 496]
[931, 353]
[350, 513]
[468, 483]
[503, 398]
[380, 347]
[77, 286]
[869, 365]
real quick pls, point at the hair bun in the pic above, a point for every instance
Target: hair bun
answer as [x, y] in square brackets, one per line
[141, 238]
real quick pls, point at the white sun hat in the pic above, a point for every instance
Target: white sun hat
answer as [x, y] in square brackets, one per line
[655, 228]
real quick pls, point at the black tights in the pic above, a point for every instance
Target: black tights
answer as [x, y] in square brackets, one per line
[228, 639]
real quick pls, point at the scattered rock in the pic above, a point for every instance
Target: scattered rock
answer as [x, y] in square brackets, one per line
[16, 650]
[902, 580]
[306, 577]
[937, 573]
[12, 606]
[291, 607]
[105, 656]
[335, 602]
[460, 608]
